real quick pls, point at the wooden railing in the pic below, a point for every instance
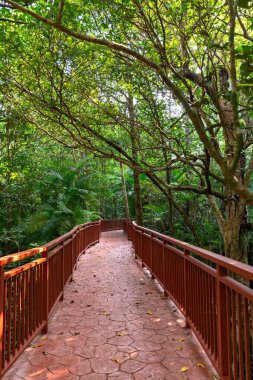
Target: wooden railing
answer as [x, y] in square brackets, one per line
[205, 287]
[113, 224]
[30, 292]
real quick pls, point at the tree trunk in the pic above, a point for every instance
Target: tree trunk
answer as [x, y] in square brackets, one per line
[134, 141]
[230, 227]
[168, 180]
[127, 214]
[137, 197]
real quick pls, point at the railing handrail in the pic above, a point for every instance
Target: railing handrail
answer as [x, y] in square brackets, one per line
[235, 266]
[217, 306]
[11, 258]
[30, 292]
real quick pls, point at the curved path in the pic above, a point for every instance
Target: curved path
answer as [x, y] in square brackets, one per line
[113, 323]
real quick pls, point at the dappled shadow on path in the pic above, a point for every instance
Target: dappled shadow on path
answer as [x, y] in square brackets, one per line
[113, 323]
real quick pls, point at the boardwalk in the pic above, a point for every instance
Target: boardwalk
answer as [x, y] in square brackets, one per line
[113, 323]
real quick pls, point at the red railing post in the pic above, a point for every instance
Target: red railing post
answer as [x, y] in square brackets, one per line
[45, 285]
[63, 272]
[222, 328]
[152, 274]
[186, 285]
[84, 238]
[2, 312]
[72, 257]
[79, 241]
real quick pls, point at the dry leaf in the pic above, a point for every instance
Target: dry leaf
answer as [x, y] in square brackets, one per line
[36, 345]
[184, 369]
[149, 312]
[45, 352]
[142, 282]
[117, 360]
[215, 377]
[180, 339]
[106, 313]
[43, 337]
[179, 348]
[201, 365]
[119, 334]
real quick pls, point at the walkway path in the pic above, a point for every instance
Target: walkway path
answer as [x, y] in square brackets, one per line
[114, 323]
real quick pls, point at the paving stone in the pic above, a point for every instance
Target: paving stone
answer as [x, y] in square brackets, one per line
[80, 368]
[93, 376]
[144, 345]
[121, 376]
[106, 351]
[175, 364]
[132, 366]
[116, 328]
[122, 340]
[153, 371]
[100, 365]
[32, 372]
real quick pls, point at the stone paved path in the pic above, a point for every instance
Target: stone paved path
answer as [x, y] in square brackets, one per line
[114, 323]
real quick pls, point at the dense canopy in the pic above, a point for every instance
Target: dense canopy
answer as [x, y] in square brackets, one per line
[161, 89]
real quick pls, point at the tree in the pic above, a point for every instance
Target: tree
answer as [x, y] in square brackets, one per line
[191, 67]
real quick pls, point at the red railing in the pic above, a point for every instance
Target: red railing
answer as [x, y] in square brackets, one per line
[30, 292]
[205, 287]
[109, 225]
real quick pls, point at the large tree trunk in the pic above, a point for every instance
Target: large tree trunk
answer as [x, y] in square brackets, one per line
[230, 227]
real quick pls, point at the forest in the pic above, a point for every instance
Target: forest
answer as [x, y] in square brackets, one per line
[154, 97]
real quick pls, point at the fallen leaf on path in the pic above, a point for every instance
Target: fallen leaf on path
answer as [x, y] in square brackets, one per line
[45, 352]
[43, 337]
[36, 345]
[180, 339]
[149, 312]
[179, 348]
[184, 369]
[201, 365]
[117, 360]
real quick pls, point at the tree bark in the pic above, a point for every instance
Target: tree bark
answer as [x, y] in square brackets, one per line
[168, 180]
[127, 214]
[134, 141]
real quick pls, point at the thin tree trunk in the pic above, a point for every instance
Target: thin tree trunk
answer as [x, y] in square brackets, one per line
[127, 214]
[168, 179]
[137, 196]
[137, 186]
